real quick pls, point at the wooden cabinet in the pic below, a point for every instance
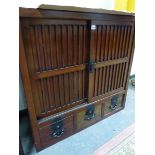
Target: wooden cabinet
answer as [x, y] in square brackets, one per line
[73, 63]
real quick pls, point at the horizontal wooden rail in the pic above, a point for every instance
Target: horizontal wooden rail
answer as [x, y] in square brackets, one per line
[120, 90]
[111, 62]
[45, 74]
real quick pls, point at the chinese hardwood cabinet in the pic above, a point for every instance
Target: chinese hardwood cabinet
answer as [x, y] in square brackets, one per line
[75, 65]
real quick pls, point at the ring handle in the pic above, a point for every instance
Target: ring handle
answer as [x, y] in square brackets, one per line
[114, 102]
[58, 132]
[89, 115]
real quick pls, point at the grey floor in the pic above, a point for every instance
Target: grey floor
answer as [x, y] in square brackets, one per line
[88, 140]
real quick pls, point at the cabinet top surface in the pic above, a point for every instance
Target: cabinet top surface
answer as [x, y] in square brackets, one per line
[80, 9]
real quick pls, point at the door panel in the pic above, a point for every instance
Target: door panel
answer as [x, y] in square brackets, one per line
[111, 42]
[56, 53]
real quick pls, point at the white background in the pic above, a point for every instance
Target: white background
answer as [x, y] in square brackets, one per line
[108, 4]
[145, 75]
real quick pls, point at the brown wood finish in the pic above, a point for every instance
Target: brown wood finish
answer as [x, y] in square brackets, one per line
[71, 60]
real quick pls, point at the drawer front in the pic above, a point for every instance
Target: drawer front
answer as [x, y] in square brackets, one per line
[59, 129]
[88, 115]
[113, 103]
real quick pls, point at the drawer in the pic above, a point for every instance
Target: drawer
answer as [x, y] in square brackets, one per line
[113, 103]
[57, 130]
[88, 116]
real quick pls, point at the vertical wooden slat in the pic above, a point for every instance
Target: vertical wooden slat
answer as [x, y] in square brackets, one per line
[68, 46]
[62, 46]
[67, 89]
[75, 86]
[83, 83]
[100, 81]
[71, 50]
[123, 42]
[104, 86]
[120, 42]
[39, 67]
[103, 80]
[122, 74]
[94, 42]
[61, 90]
[57, 46]
[127, 41]
[34, 55]
[98, 43]
[55, 93]
[110, 77]
[96, 81]
[49, 46]
[42, 52]
[53, 48]
[119, 75]
[114, 42]
[110, 43]
[39, 50]
[80, 85]
[71, 82]
[49, 94]
[52, 92]
[117, 70]
[43, 90]
[38, 106]
[64, 34]
[48, 37]
[113, 57]
[84, 44]
[101, 42]
[75, 38]
[125, 74]
[46, 47]
[107, 78]
[107, 42]
[47, 65]
[103, 38]
[104, 42]
[55, 79]
[80, 44]
[117, 42]
[43, 67]
[113, 77]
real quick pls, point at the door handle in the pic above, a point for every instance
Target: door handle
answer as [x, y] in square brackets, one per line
[91, 66]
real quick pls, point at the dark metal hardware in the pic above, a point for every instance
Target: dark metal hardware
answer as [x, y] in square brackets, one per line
[114, 102]
[58, 133]
[90, 112]
[57, 127]
[91, 66]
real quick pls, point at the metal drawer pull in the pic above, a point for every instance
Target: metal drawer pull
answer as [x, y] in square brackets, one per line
[58, 132]
[91, 66]
[90, 113]
[114, 103]
[57, 128]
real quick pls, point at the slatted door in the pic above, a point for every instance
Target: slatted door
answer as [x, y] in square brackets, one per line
[56, 53]
[111, 49]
